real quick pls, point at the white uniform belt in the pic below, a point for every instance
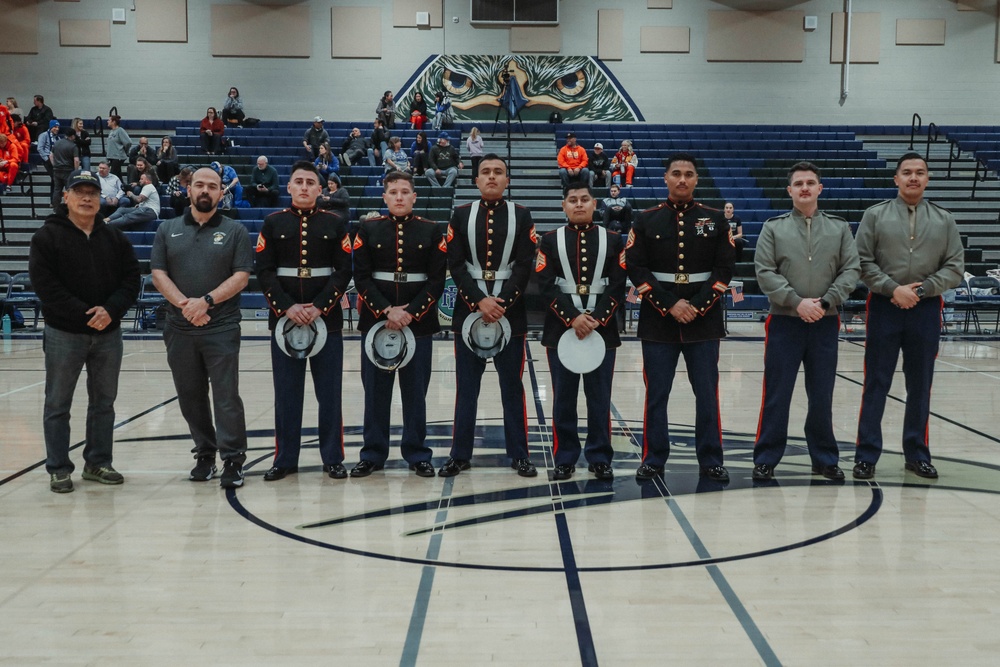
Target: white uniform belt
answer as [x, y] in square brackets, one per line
[399, 276]
[486, 274]
[304, 272]
[682, 278]
[567, 287]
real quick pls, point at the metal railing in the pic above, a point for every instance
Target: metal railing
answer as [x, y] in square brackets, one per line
[916, 123]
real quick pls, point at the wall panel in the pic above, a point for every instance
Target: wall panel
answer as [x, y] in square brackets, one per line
[737, 36]
[261, 31]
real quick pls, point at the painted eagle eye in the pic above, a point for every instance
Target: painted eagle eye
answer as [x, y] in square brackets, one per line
[573, 83]
[456, 83]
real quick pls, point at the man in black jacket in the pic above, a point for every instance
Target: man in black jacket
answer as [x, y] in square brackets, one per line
[86, 276]
[37, 120]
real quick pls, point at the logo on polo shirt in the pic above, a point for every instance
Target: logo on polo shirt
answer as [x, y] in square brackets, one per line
[218, 238]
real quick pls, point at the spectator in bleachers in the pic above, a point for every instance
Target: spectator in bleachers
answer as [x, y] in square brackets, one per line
[177, 190]
[232, 108]
[142, 166]
[232, 190]
[142, 150]
[38, 118]
[335, 198]
[82, 143]
[474, 144]
[386, 110]
[598, 163]
[418, 112]
[443, 160]
[46, 141]
[117, 145]
[13, 108]
[65, 158]
[736, 225]
[572, 161]
[327, 162]
[211, 131]
[112, 193]
[22, 137]
[418, 152]
[146, 206]
[10, 154]
[624, 164]
[315, 137]
[380, 141]
[263, 190]
[617, 214]
[443, 116]
[166, 162]
[395, 157]
[355, 147]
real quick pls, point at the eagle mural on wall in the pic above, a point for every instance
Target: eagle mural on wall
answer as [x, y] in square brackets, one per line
[580, 88]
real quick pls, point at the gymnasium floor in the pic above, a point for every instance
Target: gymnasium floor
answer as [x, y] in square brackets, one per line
[487, 567]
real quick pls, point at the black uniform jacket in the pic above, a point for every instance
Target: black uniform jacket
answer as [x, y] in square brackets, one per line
[581, 247]
[680, 239]
[304, 241]
[400, 245]
[491, 238]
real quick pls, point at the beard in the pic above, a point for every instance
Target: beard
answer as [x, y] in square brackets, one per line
[204, 204]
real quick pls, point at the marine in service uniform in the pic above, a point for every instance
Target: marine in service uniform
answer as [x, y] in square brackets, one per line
[304, 268]
[490, 255]
[910, 254]
[400, 261]
[680, 258]
[581, 274]
[807, 265]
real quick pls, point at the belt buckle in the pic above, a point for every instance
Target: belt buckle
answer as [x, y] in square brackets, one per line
[489, 275]
[681, 278]
[583, 290]
[305, 272]
[399, 277]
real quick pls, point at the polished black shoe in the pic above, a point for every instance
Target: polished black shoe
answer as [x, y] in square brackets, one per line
[602, 470]
[718, 473]
[864, 470]
[277, 472]
[365, 468]
[524, 467]
[830, 472]
[563, 471]
[763, 472]
[422, 468]
[452, 467]
[647, 471]
[922, 469]
[335, 470]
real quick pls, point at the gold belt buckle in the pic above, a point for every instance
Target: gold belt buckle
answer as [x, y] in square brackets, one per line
[489, 275]
[681, 278]
[399, 277]
[583, 290]
[305, 272]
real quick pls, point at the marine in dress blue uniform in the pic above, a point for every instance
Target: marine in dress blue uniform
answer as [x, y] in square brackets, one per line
[400, 262]
[304, 268]
[490, 255]
[680, 257]
[581, 273]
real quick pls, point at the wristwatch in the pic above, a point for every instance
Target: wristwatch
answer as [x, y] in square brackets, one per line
[208, 298]
[920, 291]
[825, 304]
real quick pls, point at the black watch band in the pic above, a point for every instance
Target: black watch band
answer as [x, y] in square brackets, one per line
[208, 298]
[825, 304]
[920, 291]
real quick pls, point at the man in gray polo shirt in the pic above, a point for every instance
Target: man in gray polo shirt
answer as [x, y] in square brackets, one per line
[201, 262]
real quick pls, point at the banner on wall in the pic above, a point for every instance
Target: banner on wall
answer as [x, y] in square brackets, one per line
[580, 88]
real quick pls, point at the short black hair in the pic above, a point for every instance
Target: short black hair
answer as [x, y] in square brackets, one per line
[305, 165]
[803, 166]
[40, 98]
[680, 157]
[494, 156]
[577, 185]
[394, 176]
[70, 133]
[909, 156]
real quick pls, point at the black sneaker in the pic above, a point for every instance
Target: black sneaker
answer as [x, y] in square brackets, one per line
[204, 469]
[232, 475]
[102, 474]
[60, 482]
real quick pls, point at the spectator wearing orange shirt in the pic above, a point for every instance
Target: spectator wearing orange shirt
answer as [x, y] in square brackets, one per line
[572, 162]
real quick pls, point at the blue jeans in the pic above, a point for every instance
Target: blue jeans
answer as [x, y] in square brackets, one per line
[582, 177]
[450, 174]
[131, 216]
[66, 354]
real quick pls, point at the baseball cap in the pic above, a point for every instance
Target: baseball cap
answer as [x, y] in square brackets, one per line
[571, 135]
[445, 136]
[598, 145]
[317, 119]
[83, 177]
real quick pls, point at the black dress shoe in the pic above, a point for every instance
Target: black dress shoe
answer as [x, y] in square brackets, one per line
[335, 470]
[452, 467]
[601, 470]
[276, 473]
[365, 468]
[830, 472]
[524, 467]
[922, 469]
[718, 473]
[864, 470]
[422, 468]
[647, 471]
[563, 471]
[763, 472]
